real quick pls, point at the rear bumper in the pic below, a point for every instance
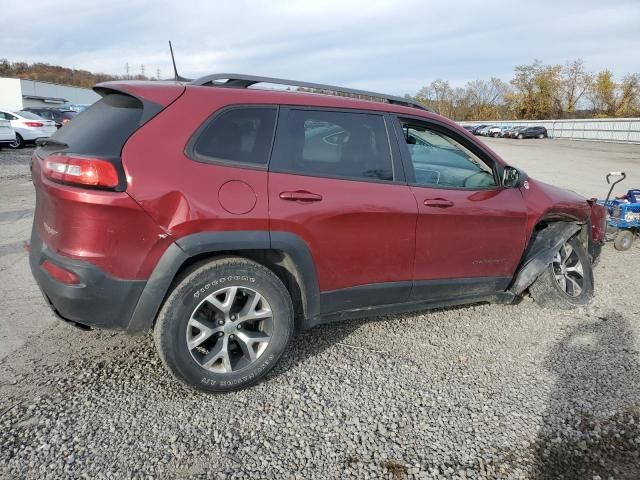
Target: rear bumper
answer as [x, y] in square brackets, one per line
[99, 300]
[31, 134]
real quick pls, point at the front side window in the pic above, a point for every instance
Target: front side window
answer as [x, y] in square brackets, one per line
[333, 144]
[239, 135]
[8, 116]
[440, 161]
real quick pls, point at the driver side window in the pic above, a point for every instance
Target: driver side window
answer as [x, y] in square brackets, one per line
[440, 161]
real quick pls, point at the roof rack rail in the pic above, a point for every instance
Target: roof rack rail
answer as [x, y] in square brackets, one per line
[236, 80]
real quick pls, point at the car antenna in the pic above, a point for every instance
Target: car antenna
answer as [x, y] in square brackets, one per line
[177, 77]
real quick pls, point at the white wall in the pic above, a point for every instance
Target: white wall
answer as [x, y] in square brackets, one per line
[625, 130]
[10, 94]
[13, 92]
[52, 90]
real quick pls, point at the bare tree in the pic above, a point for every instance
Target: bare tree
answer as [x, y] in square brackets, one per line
[485, 98]
[575, 83]
[438, 95]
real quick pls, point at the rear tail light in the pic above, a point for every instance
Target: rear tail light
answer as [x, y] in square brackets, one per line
[92, 172]
[33, 124]
[65, 121]
[60, 274]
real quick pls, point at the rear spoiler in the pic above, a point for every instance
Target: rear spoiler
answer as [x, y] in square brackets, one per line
[160, 92]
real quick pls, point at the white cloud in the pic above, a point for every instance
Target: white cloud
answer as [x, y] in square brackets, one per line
[389, 46]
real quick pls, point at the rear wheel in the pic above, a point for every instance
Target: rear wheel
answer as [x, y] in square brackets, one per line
[225, 325]
[18, 143]
[520, 136]
[568, 280]
[623, 240]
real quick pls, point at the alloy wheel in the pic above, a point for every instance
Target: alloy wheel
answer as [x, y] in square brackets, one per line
[229, 329]
[568, 271]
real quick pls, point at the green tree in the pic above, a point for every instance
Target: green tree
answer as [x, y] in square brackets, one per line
[602, 94]
[628, 95]
[537, 91]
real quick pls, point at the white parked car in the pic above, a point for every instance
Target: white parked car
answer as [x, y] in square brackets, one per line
[7, 134]
[484, 131]
[493, 131]
[28, 126]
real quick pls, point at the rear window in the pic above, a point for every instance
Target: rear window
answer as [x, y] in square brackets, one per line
[103, 128]
[29, 115]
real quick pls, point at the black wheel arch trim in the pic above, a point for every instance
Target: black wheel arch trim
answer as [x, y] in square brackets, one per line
[187, 247]
[539, 253]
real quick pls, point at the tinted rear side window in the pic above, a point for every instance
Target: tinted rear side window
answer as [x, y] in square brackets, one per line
[242, 135]
[103, 128]
[332, 144]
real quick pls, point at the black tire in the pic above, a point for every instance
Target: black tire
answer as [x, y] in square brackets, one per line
[520, 136]
[623, 240]
[174, 321]
[547, 291]
[19, 143]
[541, 136]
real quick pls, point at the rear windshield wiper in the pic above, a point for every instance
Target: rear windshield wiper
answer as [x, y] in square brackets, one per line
[43, 142]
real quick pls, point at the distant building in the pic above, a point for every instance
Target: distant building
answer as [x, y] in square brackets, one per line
[16, 94]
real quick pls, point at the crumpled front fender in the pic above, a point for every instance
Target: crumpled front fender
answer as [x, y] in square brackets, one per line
[540, 252]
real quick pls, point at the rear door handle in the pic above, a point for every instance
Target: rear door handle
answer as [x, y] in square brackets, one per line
[438, 203]
[301, 196]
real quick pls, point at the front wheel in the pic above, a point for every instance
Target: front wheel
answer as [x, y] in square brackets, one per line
[623, 240]
[225, 325]
[568, 280]
[520, 137]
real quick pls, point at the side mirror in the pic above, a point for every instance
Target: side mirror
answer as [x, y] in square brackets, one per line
[512, 177]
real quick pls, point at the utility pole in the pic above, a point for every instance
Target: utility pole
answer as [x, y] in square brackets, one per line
[158, 74]
[142, 70]
[126, 69]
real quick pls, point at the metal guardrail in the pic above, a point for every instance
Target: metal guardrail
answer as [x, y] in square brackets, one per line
[624, 130]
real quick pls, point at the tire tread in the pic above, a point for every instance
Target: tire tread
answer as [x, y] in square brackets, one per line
[163, 341]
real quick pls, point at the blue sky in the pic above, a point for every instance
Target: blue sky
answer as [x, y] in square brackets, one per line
[395, 47]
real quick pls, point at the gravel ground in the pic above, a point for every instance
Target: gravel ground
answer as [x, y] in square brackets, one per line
[14, 164]
[484, 391]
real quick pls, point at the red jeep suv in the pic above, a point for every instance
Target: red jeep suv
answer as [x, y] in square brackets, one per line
[224, 217]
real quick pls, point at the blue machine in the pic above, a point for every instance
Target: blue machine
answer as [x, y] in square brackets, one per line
[624, 214]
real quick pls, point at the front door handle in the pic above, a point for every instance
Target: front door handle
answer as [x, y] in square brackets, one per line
[301, 196]
[438, 203]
